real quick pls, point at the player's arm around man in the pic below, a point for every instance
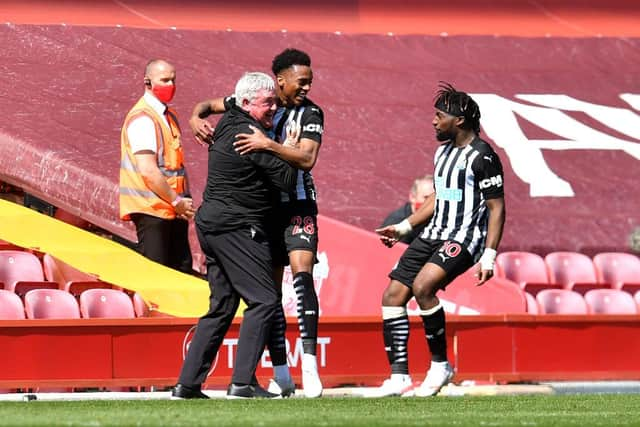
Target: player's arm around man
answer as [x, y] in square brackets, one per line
[201, 128]
[302, 154]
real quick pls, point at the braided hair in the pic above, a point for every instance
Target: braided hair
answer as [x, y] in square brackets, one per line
[457, 103]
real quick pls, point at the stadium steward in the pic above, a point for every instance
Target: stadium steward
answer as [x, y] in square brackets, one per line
[154, 189]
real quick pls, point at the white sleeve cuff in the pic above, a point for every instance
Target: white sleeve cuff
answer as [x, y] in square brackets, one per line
[488, 259]
[403, 227]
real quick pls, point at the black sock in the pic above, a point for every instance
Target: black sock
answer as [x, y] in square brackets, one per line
[276, 341]
[434, 329]
[396, 338]
[307, 311]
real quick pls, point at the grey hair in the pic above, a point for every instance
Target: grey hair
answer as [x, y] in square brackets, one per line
[250, 84]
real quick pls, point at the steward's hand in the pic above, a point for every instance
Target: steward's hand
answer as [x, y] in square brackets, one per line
[184, 208]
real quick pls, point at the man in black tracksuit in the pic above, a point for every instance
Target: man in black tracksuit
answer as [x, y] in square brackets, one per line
[234, 225]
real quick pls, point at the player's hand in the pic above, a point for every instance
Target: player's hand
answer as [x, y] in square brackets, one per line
[249, 142]
[202, 130]
[293, 134]
[388, 235]
[483, 275]
[486, 266]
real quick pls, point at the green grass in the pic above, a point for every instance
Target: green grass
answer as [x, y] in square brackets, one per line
[564, 410]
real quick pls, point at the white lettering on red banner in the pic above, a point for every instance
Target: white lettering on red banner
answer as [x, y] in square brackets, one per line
[500, 123]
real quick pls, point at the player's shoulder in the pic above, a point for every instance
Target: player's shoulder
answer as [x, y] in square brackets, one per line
[311, 107]
[486, 153]
[481, 145]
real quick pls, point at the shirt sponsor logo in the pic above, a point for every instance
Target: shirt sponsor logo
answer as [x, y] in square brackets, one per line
[446, 193]
[491, 182]
[313, 128]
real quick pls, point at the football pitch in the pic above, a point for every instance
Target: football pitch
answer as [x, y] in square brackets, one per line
[534, 410]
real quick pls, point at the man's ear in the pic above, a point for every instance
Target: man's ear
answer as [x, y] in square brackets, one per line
[459, 121]
[280, 80]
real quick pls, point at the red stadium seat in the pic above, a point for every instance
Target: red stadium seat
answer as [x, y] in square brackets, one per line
[23, 286]
[574, 271]
[77, 288]
[19, 265]
[534, 287]
[522, 267]
[610, 301]
[109, 303]
[11, 307]
[620, 269]
[561, 301]
[61, 272]
[532, 304]
[140, 306]
[50, 304]
[527, 269]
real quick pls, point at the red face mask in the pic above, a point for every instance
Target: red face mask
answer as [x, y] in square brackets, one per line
[164, 93]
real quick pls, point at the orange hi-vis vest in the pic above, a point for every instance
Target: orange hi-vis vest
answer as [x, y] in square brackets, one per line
[135, 196]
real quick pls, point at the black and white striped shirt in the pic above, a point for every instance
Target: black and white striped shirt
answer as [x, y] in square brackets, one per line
[311, 120]
[465, 177]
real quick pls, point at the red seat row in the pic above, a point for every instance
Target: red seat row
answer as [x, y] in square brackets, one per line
[21, 272]
[595, 301]
[23, 266]
[58, 304]
[571, 271]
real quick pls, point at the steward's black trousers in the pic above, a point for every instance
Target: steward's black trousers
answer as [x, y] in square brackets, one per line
[239, 265]
[165, 241]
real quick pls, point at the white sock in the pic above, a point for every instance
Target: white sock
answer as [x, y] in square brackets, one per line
[309, 362]
[398, 376]
[439, 365]
[281, 372]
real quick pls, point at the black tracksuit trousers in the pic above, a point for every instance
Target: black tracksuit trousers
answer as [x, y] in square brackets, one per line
[239, 265]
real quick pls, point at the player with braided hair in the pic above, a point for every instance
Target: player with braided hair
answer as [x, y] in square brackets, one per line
[467, 214]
